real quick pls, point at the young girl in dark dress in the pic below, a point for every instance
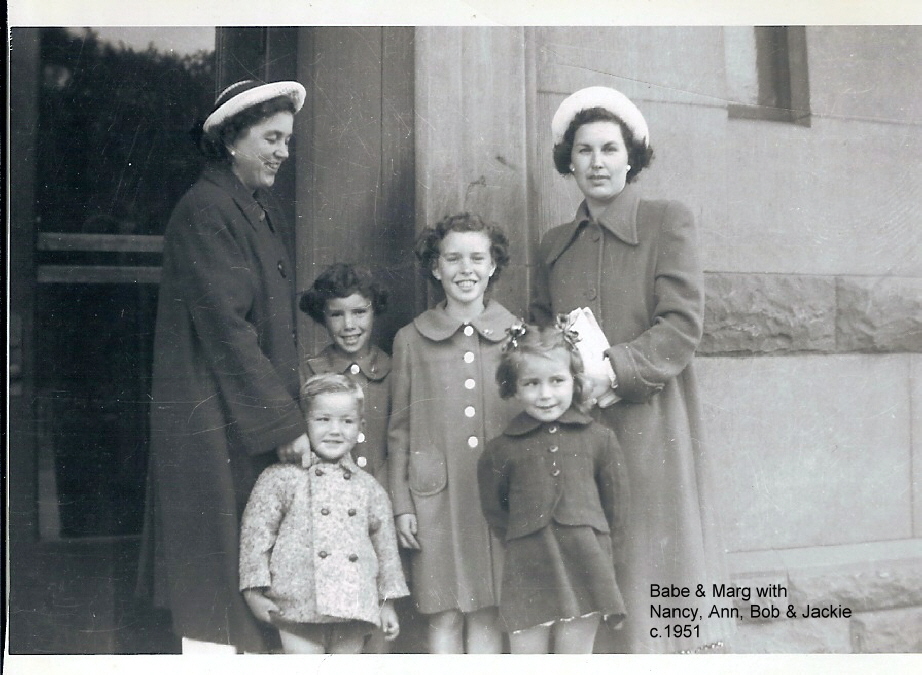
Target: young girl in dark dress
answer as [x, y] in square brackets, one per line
[553, 487]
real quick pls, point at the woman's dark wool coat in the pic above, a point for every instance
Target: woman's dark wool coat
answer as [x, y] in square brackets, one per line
[225, 388]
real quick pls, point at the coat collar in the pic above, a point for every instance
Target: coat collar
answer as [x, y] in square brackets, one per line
[345, 464]
[620, 218]
[375, 365]
[523, 423]
[437, 324]
[254, 206]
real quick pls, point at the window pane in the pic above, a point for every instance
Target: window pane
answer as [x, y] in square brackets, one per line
[114, 156]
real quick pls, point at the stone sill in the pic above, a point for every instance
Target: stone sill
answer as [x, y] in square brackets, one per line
[863, 577]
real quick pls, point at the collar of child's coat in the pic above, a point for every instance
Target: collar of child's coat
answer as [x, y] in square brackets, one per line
[437, 324]
[523, 423]
[344, 464]
[620, 218]
[375, 365]
[253, 206]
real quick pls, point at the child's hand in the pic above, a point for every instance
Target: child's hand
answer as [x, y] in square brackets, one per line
[389, 623]
[259, 604]
[292, 452]
[405, 524]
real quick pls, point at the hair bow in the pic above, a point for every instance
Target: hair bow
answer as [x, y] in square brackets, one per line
[564, 325]
[515, 332]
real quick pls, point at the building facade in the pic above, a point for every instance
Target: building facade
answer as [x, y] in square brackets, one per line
[797, 149]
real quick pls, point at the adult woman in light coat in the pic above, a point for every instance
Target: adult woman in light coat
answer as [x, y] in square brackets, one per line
[225, 377]
[634, 262]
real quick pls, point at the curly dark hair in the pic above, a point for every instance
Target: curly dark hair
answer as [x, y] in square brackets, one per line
[213, 145]
[639, 154]
[340, 280]
[429, 242]
[542, 342]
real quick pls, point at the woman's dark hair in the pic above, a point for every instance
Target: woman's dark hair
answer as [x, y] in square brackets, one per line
[639, 155]
[429, 242]
[541, 342]
[213, 145]
[340, 280]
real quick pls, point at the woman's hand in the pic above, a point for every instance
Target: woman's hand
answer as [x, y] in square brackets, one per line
[405, 524]
[294, 451]
[259, 604]
[389, 623]
[599, 389]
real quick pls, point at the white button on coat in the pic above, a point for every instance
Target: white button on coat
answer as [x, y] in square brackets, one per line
[469, 411]
[468, 357]
[469, 383]
[354, 369]
[468, 330]
[473, 441]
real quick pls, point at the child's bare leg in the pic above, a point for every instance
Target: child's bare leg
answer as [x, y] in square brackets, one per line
[305, 639]
[483, 633]
[530, 640]
[446, 632]
[347, 638]
[576, 636]
[376, 644]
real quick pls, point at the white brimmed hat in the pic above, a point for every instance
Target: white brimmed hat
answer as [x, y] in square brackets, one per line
[607, 98]
[245, 94]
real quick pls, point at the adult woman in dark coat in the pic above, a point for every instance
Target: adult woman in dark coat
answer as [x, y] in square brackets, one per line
[225, 378]
[634, 262]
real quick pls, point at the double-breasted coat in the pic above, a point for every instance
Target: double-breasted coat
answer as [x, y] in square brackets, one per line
[225, 389]
[321, 541]
[445, 405]
[371, 373]
[637, 268]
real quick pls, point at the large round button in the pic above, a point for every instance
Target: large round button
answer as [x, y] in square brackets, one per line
[362, 462]
[555, 472]
[469, 411]
[351, 512]
[324, 511]
[468, 357]
[473, 441]
[319, 472]
[469, 383]
[468, 330]
[323, 554]
[553, 448]
[594, 234]
[591, 293]
[354, 369]
[347, 475]
[552, 429]
[353, 557]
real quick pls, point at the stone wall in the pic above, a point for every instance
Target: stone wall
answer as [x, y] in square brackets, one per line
[811, 365]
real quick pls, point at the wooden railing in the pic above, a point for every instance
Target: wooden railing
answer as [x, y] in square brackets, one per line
[98, 243]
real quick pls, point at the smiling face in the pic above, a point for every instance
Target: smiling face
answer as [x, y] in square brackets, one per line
[600, 162]
[464, 267]
[544, 385]
[349, 322]
[333, 424]
[260, 150]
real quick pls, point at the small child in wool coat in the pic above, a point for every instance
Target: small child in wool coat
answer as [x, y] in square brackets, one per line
[318, 550]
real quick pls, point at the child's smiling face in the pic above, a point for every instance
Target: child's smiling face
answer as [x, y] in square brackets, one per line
[544, 385]
[464, 267]
[333, 424]
[349, 322]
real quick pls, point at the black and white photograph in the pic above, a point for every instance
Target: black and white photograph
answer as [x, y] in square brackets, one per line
[394, 337]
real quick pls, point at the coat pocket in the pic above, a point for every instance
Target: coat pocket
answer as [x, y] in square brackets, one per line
[427, 473]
